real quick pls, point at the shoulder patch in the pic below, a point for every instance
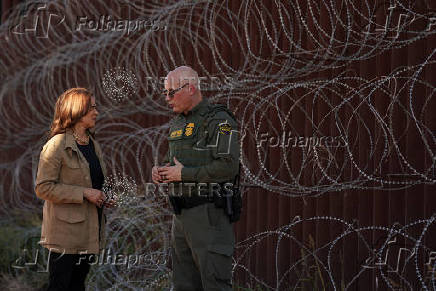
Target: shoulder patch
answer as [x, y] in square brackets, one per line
[224, 128]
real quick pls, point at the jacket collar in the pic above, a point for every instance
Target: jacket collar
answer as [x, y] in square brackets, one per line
[70, 141]
[200, 108]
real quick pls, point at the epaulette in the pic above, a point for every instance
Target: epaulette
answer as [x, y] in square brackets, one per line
[215, 108]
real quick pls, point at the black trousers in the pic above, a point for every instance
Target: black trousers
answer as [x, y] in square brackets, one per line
[67, 272]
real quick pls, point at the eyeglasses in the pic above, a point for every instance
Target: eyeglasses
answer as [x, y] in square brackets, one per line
[171, 93]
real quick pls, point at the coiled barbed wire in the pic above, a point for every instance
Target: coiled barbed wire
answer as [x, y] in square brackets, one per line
[286, 68]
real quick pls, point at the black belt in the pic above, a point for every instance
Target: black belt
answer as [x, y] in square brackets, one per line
[189, 202]
[193, 201]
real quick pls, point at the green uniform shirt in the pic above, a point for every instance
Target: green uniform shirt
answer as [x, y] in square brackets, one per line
[206, 142]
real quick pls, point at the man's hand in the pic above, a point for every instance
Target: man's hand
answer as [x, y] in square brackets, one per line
[155, 176]
[171, 174]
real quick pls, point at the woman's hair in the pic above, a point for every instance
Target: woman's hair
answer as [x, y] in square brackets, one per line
[70, 107]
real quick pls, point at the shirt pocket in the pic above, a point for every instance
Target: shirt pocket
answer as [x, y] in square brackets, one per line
[195, 148]
[175, 143]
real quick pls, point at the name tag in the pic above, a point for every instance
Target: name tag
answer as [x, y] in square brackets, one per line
[176, 133]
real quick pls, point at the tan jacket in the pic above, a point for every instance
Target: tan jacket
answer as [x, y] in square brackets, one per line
[70, 222]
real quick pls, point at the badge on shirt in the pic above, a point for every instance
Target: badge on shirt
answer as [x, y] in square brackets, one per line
[189, 129]
[224, 128]
[176, 133]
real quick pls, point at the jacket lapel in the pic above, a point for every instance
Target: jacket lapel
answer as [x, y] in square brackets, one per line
[70, 143]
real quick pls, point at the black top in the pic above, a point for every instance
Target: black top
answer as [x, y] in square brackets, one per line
[97, 177]
[96, 172]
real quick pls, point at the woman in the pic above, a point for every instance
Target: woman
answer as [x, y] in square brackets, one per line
[70, 177]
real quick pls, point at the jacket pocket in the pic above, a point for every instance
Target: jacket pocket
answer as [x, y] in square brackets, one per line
[72, 161]
[71, 213]
[72, 172]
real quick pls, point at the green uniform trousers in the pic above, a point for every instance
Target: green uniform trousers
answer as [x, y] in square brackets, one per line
[203, 243]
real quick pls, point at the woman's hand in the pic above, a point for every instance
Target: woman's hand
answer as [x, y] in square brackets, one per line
[94, 196]
[111, 203]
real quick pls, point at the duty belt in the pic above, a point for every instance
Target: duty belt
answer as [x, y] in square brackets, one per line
[193, 201]
[180, 203]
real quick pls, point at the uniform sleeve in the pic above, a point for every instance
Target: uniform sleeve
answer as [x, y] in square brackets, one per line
[47, 178]
[223, 136]
[166, 158]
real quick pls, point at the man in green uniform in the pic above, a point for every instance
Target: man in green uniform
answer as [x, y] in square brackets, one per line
[203, 157]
